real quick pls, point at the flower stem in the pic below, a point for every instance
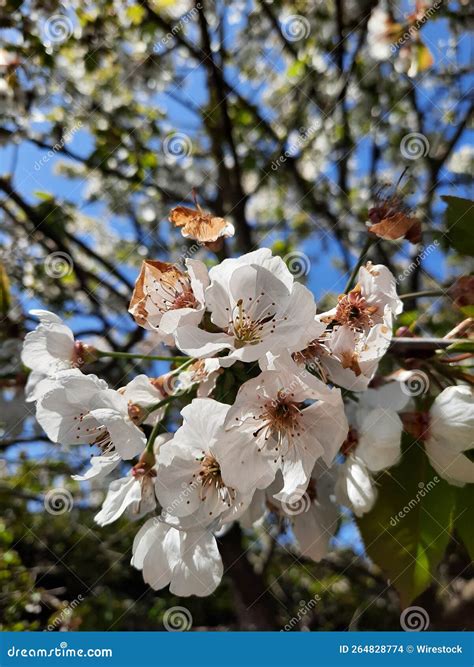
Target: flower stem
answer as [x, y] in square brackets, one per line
[428, 292]
[132, 355]
[157, 406]
[181, 368]
[402, 344]
[358, 264]
[153, 435]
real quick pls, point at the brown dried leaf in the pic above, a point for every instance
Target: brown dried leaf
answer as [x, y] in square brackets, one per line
[200, 226]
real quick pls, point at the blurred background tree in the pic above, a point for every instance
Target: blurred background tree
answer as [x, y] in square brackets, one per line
[286, 117]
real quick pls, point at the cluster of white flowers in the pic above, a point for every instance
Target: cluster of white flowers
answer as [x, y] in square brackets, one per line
[285, 442]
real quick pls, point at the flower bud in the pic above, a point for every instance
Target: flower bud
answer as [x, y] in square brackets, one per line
[84, 354]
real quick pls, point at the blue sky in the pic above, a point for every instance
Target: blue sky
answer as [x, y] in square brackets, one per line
[324, 275]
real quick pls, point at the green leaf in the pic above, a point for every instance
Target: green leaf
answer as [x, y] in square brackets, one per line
[463, 513]
[407, 318]
[458, 223]
[465, 346]
[407, 531]
[44, 196]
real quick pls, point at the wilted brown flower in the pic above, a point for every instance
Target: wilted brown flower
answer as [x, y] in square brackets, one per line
[201, 226]
[352, 309]
[161, 287]
[462, 291]
[389, 220]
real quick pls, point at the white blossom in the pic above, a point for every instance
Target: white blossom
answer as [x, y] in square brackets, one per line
[451, 434]
[317, 523]
[257, 306]
[376, 427]
[371, 302]
[287, 446]
[282, 432]
[134, 493]
[345, 357]
[190, 479]
[50, 347]
[186, 560]
[355, 487]
[81, 409]
[381, 34]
